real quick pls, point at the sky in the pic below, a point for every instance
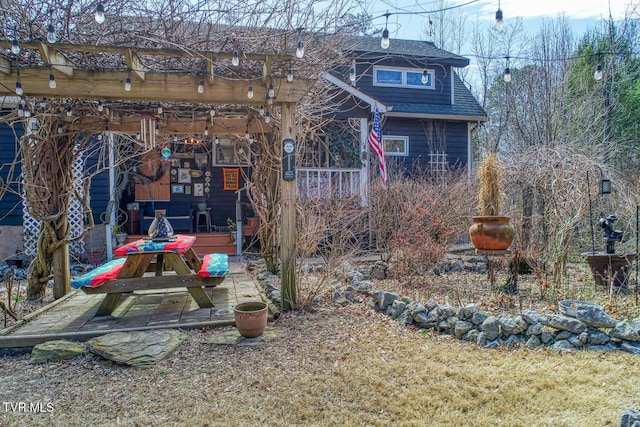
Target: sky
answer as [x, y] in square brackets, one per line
[582, 14]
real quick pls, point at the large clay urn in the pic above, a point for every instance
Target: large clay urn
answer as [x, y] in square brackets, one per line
[251, 318]
[491, 233]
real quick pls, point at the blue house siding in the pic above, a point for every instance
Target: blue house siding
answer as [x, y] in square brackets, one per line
[450, 135]
[11, 202]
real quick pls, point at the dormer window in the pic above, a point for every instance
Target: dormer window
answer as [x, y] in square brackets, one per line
[404, 77]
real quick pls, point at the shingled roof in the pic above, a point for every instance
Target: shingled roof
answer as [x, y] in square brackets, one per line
[419, 49]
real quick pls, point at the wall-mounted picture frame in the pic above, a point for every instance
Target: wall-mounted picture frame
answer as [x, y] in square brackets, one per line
[198, 189]
[186, 165]
[184, 177]
[177, 189]
[187, 189]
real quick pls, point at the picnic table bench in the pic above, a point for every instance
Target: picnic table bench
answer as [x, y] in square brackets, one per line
[176, 266]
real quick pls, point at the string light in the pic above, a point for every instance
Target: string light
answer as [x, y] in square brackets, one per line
[51, 33]
[206, 130]
[19, 90]
[499, 22]
[598, 73]
[352, 71]
[217, 141]
[69, 111]
[60, 129]
[235, 58]
[100, 106]
[300, 46]
[271, 92]
[20, 110]
[100, 13]
[267, 117]
[507, 75]
[384, 42]
[212, 113]
[261, 110]
[201, 86]
[250, 91]
[425, 77]
[15, 47]
[160, 110]
[52, 80]
[127, 83]
[290, 74]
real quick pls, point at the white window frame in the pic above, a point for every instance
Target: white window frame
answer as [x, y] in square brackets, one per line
[395, 153]
[404, 82]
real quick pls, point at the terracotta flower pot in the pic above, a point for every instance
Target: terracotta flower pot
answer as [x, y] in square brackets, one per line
[491, 233]
[251, 318]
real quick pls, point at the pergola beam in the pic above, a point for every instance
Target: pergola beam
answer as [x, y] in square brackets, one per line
[57, 61]
[157, 87]
[135, 64]
[131, 124]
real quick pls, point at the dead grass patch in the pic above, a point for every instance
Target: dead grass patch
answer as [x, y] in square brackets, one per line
[348, 366]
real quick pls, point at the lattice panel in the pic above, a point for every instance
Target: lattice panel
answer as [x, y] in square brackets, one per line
[76, 218]
[31, 225]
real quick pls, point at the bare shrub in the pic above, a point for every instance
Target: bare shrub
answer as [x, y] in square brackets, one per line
[416, 219]
[330, 231]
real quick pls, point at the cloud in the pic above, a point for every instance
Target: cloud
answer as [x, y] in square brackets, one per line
[573, 9]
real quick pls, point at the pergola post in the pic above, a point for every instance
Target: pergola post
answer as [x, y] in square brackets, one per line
[288, 215]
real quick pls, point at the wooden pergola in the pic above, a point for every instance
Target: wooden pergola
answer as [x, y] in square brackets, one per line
[77, 79]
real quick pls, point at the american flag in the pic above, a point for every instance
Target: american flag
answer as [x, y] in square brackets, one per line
[375, 141]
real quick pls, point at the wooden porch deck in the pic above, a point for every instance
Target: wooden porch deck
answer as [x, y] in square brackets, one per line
[74, 318]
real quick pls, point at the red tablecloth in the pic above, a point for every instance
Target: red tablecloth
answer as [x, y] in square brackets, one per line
[176, 244]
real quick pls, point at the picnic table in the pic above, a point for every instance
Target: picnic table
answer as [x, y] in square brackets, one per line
[176, 265]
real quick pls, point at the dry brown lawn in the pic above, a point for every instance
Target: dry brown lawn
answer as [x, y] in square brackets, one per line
[339, 367]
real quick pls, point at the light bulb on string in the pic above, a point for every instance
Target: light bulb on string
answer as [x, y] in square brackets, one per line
[212, 112]
[69, 111]
[51, 34]
[43, 103]
[425, 77]
[19, 90]
[100, 18]
[235, 58]
[271, 92]
[201, 86]
[60, 129]
[217, 141]
[250, 91]
[15, 47]
[499, 22]
[384, 42]
[20, 110]
[160, 110]
[352, 74]
[267, 117]
[597, 75]
[52, 81]
[290, 74]
[507, 75]
[27, 112]
[300, 49]
[127, 83]
[206, 130]
[261, 111]
[100, 106]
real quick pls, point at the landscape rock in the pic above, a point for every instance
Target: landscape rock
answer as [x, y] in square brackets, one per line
[627, 331]
[630, 418]
[55, 351]
[594, 316]
[137, 348]
[564, 323]
[631, 347]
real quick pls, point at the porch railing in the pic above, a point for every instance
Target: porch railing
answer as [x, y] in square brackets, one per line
[328, 183]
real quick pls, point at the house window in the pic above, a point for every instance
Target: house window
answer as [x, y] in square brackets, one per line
[403, 77]
[231, 150]
[395, 145]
